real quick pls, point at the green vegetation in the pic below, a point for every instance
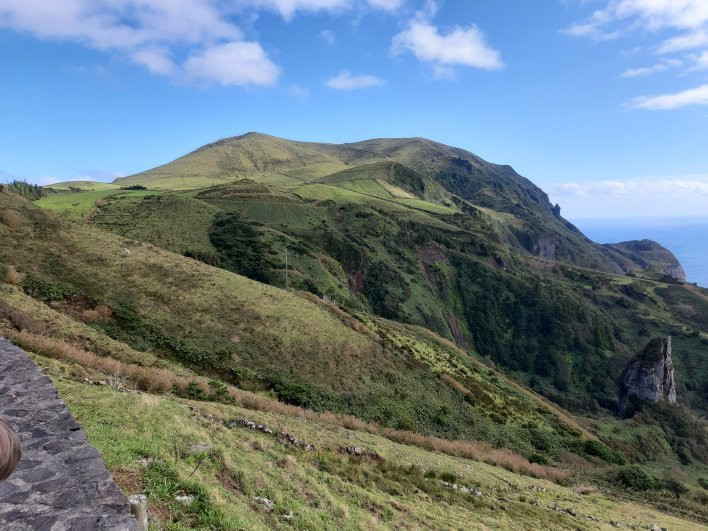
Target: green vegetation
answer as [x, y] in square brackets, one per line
[23, 188]
[435, 300]
[146, 440]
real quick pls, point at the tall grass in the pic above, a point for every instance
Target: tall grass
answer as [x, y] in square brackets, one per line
[157, 380]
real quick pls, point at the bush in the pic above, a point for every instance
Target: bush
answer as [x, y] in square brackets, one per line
[601, 450]
[45, 289]
[674, 486]
[636, 477]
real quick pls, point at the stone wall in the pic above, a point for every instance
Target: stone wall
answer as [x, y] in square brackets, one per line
[61, 482]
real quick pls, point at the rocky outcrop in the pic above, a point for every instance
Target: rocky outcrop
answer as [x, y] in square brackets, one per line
[649, 376]
[545, 247]
[61, 482]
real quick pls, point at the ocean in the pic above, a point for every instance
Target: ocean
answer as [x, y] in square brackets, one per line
[686, 237]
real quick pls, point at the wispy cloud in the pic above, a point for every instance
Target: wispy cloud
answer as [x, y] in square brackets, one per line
[647, 71]
[328, 36]
[686, 19]
[621, 17]
[346, 81]
[686, 184]
[694, 96]
[681, 195]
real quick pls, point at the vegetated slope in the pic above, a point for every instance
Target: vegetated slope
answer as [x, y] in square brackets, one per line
[302, 349]
[566, 330]
[472, 181]
[241, 478]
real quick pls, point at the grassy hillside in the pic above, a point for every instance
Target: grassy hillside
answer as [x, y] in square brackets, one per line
[297, 347]
[247, 479]
[566, 330]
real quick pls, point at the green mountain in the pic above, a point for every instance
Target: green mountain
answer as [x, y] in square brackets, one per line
[436, 301]
[430, 235]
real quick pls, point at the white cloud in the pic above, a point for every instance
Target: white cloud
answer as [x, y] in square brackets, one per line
[651, 70]
[150, 33]
[694, 96]
[688, 184]
[687, 20]
[234, 63]
[346, 81]
[460, 47]
[620, 17]
[700, 62]
[685, 41]
[644, 71]
[156, 60]
[682, 195]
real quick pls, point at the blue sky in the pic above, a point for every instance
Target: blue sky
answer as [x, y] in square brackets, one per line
[603, 103]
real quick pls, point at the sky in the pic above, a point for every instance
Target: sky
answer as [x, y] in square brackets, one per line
[602, 103]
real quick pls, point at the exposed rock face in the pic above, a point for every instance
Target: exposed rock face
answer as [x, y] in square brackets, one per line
[545, 247]
[649, 376]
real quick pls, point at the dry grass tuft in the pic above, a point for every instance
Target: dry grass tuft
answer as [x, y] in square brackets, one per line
[90, 316]
[457, 386]
[21, 320]
[502, 457]
[11, 218]
[104, 312]
[12, 276]
[101, 202]
[149, 379]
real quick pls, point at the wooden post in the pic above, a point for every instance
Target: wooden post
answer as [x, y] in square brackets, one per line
[286, 268]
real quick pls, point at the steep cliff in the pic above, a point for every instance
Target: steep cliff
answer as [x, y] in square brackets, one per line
[649, 376]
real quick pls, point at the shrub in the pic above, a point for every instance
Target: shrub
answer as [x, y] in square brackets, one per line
[45, 289]
[674, 486]
[601, 450]
[636, 477]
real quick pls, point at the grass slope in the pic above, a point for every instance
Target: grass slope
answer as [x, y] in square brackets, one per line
[298, 347]
[145, 441]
